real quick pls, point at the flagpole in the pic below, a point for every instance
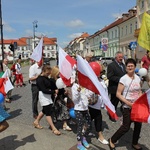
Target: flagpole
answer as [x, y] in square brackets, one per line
[2, 44]
[34, 26]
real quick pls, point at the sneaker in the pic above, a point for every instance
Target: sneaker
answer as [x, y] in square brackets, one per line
[85, 143]
[81, 147]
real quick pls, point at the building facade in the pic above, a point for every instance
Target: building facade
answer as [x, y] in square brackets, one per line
[25, 47]
[120, 34]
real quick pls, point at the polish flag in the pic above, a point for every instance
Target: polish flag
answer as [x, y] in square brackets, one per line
[37, 52]
[88, 79]
[66, 67]
[5, 84]
[140, 111]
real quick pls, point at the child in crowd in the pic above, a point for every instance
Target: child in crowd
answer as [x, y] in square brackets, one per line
[82, 115]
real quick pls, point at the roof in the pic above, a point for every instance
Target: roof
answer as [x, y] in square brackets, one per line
[23, 41]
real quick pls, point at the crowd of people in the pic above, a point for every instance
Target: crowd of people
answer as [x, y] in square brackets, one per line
[123, 85]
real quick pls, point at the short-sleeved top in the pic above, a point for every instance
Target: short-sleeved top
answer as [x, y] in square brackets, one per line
[132, 88]
[34, 71]
[18, 68]
[146, 62]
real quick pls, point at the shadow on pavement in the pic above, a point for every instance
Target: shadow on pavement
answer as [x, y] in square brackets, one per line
[16, 97]
[11, 142]
[15, 113]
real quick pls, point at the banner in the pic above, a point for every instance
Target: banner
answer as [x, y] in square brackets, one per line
[144, 35]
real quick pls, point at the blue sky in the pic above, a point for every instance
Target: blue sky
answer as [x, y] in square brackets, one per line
[63, 19]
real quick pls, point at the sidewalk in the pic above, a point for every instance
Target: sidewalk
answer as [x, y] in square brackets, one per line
[21, 135]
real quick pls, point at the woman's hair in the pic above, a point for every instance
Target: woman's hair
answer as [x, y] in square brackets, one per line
[130, 60]
[55, 72]
[45, 68]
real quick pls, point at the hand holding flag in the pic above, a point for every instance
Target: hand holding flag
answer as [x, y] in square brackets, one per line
[66, 66]
[88, 79]
[5, 84]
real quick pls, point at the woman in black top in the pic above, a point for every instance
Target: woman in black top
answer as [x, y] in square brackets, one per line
[46, 88]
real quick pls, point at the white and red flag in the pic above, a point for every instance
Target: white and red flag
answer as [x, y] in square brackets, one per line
[88, 79]
[37, 52]
[66, 66]
[5, 84]
[140, 111]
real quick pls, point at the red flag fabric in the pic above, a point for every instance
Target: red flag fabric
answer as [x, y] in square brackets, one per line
[140, 111]
[88, 79]
[66, 66]
[2, 88]
[5, 84]
[86, 82]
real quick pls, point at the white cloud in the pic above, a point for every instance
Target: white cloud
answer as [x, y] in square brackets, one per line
[74, 35]
[75, 23]
[117, 15]
[7, 27]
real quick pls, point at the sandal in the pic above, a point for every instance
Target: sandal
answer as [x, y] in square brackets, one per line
[56, 132]
[67, 128]
[37, 126]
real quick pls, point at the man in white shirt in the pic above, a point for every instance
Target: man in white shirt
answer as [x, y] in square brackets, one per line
[34, 71]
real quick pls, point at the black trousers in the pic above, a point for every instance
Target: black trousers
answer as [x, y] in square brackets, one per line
[97, 116]
[35, 98]
[114, 100]
[126, 126]
[82, 118]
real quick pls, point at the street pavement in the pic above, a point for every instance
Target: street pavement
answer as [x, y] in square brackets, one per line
[21, 135]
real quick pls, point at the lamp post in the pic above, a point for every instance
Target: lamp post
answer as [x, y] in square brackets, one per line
[34, 26]
[1, 26]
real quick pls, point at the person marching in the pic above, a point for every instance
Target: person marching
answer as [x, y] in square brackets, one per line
[145, 63]
[82, 115]
[60, 103]
[46, 90]
[19, 76]
[115, 71]
[128, 91]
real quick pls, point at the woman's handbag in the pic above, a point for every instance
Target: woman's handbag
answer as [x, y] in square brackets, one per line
[3, 125]
[121, 107]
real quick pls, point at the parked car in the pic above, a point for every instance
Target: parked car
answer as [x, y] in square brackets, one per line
[96, 58]
[46, 61]
[106, 60]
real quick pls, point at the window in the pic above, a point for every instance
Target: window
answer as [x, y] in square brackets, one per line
[112, 34]
[136, 25]
[122, 31]
[131, 28]
[126, 30]
[115, 33]
[142, 4]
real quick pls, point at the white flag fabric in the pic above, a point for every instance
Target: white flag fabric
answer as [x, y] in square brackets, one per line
[7, 84]
[37, 52]
[66, 66]
[86, 73]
